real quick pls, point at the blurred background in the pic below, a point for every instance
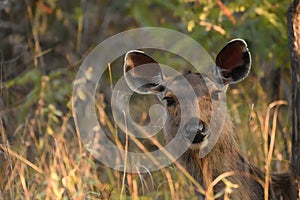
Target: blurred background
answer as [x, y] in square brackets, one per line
[43, 43]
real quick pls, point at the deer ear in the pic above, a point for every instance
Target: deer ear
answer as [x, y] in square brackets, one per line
[142, 73]
[234, 61]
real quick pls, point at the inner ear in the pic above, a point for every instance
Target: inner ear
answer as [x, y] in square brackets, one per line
[234, 61]
[142, 73]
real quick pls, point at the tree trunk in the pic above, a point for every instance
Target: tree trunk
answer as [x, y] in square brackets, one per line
[294, 42]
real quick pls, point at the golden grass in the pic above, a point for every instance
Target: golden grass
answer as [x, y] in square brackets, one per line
[49, 163]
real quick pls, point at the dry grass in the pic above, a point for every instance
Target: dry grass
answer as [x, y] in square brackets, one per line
[47, 161]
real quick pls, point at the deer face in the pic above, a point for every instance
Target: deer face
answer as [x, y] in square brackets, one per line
[144, 75]
[197, 128]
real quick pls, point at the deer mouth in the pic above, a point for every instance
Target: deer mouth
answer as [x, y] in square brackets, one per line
[199, 137]
[200, 142]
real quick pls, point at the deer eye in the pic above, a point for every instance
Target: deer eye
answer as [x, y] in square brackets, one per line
[170, 101]
[215, 95]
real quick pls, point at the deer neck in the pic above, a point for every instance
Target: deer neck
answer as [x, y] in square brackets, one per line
[224, 158]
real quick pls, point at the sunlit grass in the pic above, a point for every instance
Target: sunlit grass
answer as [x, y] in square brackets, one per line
[49, 162]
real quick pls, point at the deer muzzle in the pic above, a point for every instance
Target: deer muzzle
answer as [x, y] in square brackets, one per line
[195, 130]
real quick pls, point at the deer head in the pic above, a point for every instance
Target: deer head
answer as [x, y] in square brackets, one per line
[144, 75]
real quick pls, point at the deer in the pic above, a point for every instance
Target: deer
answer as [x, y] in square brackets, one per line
[232, 65]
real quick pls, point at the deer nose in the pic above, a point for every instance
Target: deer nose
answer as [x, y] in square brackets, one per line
[195, 130]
